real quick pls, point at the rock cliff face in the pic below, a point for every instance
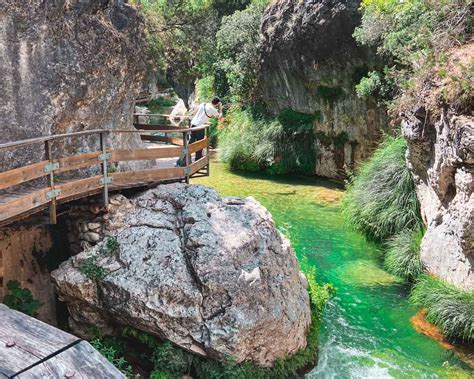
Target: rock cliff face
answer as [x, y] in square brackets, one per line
[311, 64]
[441, 157]
[68, 66]
[210, 274]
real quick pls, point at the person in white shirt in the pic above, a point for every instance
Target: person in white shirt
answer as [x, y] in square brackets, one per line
[201, 116]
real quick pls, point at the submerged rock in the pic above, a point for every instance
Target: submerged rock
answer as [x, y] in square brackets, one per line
[213, 275]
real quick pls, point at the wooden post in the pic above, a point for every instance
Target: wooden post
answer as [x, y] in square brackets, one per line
[103, 148]
[187, 155]
[52, 205]
[135, 119]
[208, 156]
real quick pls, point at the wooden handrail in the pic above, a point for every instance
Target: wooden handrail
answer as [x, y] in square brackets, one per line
[162, 115]
[37, 140]
[54, 192]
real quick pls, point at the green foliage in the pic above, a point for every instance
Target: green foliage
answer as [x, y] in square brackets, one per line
[20, 299]
[181, 39]
[205, 89]
[413, 34]
[253, 141]
[112, 349]
[381, 200]
[448, 307]
[376, 85]
[91, 269]
[296, 120]
[110, 247]
[402, 257]
[237, 54]
[172, 362]
[227, 7]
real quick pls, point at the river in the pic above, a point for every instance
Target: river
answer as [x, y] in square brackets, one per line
[366, 330]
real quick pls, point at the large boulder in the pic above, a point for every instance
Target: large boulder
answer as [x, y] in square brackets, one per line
[68, 66]
[311, 64]
[212, 275]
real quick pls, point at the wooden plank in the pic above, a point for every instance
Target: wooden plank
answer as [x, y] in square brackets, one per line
[145, 154]
[23, 204]
[199, 145]
[172, 140]
[80, 186]
[156, 127]
[122, 178]
[201, 163]
[22, 174]
[81, 360]
[31, 340]
[77, 162]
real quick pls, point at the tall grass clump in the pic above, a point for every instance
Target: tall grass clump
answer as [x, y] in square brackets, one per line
[381, 200]
[448, 307]
[402, 257]
[253, 140]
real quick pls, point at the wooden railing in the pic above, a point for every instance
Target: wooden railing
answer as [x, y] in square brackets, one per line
[24, 193]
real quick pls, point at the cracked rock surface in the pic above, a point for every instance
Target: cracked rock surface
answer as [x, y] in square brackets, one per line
[212, 275]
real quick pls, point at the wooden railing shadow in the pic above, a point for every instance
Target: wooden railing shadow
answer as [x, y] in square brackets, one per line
[164, 145]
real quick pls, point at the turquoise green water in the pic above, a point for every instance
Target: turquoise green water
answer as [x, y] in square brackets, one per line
[366, 330]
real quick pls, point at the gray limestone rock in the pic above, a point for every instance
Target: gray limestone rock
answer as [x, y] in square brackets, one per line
[212, 275]
[311, 64]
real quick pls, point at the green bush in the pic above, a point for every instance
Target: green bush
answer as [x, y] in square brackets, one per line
[255, 141]
[237, 54]
[91, 269]
[110, 247]
[448, 307]
[381, 200]
[112, 349]
[402, 257]
[20, 299]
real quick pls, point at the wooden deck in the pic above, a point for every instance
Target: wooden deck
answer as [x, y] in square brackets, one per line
[30, 348]
[38, 186]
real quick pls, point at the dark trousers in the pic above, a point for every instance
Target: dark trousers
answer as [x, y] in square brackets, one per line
[197, 136]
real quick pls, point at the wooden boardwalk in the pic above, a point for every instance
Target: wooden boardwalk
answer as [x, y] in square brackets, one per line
[38, 186]
[30, 348]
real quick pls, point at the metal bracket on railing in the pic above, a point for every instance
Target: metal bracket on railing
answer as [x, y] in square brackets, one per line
[53, 194]
[106, 180]
[104, 157]
[51, 167]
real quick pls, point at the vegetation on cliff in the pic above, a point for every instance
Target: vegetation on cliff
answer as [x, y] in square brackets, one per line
[416, 39]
